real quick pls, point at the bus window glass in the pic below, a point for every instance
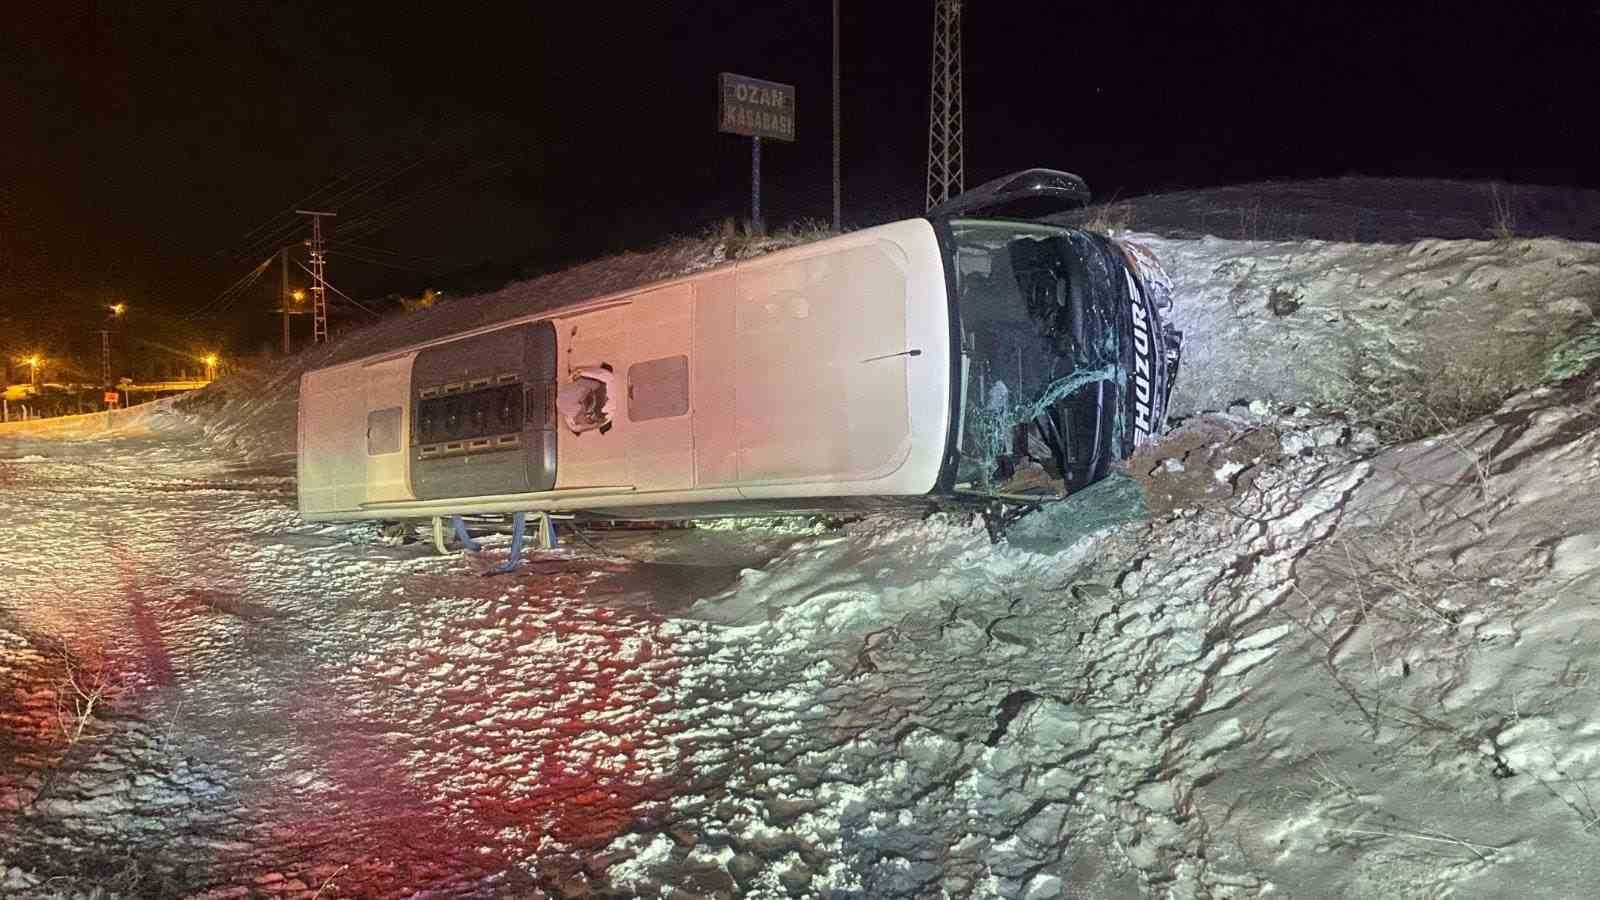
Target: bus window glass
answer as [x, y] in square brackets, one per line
[658, 388]
[383, 431]
[1042, 387]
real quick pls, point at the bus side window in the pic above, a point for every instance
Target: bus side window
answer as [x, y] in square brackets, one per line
[383, 431]
[658, 388]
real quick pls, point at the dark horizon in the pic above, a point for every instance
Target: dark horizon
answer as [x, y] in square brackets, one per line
[154, 158]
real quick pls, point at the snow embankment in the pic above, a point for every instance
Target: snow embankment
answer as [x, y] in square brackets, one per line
[1358, 326]
[1419, 720]
[1343, 674]
[123, 422]
[1361, 209]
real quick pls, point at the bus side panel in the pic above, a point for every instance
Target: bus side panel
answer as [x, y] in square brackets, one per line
[821, 366]
[592, 339]
[900, 456]
[332, 461]
[716, 445]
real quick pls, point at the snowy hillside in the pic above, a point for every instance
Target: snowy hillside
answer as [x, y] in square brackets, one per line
[1357, 209]
[1359, 326]
[1334, 636]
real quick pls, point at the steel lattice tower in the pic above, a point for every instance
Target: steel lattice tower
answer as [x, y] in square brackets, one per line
[944, 116]
[105, 357]
[319, 289]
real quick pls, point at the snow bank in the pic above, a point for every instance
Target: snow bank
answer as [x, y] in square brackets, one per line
[1359, 209]
[135, 420]
[1343, 674]
[1424, 723]
[1335, 323]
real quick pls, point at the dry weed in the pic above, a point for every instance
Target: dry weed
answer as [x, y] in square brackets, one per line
[1431, 399]
[1109, 217]
[327, 884]
[1252, 222]
[1502, 211]
[86, 684]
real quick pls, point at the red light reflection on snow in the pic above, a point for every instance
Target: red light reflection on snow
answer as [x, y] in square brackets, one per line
[515, 725]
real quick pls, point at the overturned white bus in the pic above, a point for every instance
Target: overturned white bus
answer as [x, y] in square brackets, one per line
[976, 353]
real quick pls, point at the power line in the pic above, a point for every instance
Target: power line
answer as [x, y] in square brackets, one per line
[367, 309]
[395, 261]
[345, 190]
[346, 254]
[380, 217]
[442, 261]
[358, 183]
[233, 290]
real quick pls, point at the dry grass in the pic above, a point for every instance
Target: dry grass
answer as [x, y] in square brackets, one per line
[1252, 222]
[1390, 600]
[328, 885]
[1109, 217]
[81, 686]
[1481, 851]
[86, 684]
[1435, 397]
[1502, 211]
[743, 243]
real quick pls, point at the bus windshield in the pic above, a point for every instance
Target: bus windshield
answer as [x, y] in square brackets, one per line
[1042, 378]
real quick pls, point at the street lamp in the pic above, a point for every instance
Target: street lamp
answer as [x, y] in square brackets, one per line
[117, 309]
[292, 301]
[210, 359]
[33, 362]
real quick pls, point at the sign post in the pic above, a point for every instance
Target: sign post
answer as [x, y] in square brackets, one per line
[757, 109]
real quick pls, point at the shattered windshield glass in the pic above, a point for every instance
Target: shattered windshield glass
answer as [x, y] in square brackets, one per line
[1042, 374]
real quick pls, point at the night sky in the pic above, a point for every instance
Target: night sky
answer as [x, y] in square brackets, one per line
[151, 153]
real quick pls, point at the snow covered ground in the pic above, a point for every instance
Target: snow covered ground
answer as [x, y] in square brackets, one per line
[1276, 658]
[1359, 209]
[1341, 324]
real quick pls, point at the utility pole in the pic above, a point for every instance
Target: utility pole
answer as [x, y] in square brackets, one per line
[944, 114]
[838, 218]
[756, 226]
[114, 312]
[319, 291]
[105, 357]
[283, 295]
